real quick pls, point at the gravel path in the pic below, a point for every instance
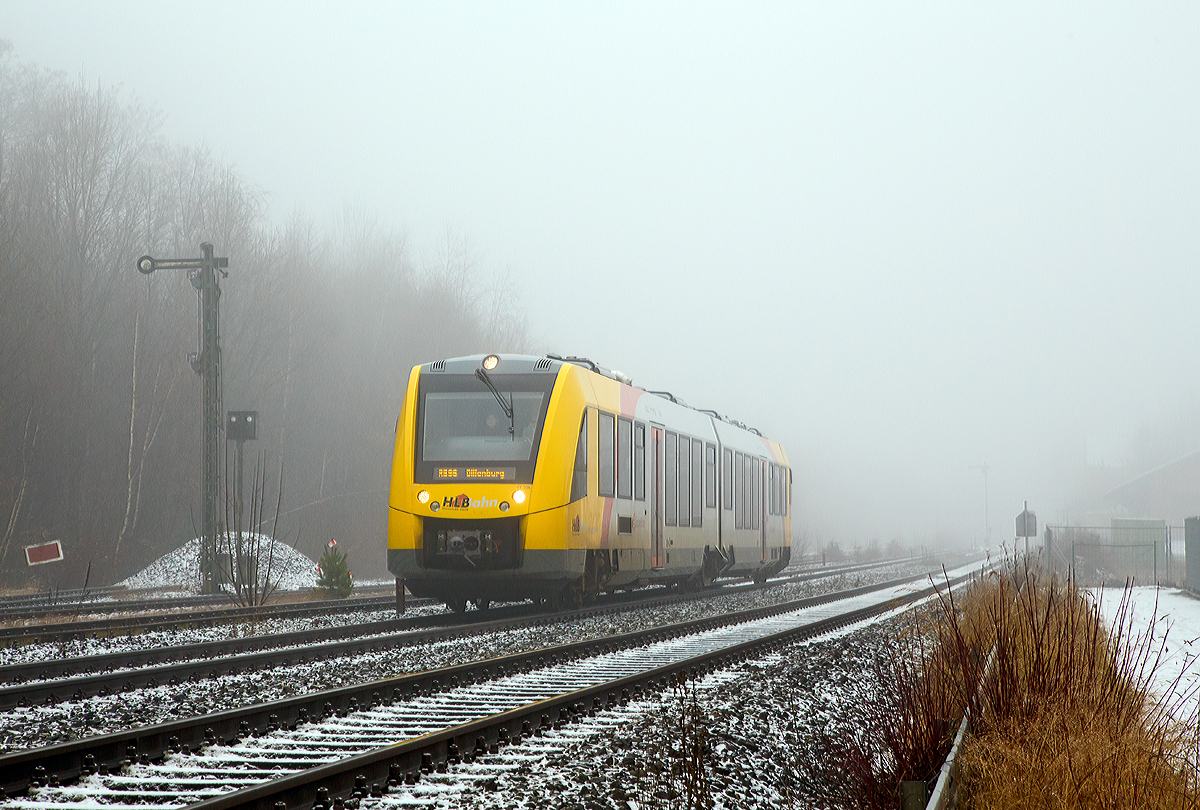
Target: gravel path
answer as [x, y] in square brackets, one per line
[42, 725]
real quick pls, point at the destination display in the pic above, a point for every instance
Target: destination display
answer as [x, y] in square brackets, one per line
[475, 473]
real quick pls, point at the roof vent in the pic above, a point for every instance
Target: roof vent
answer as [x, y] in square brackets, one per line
[542, 364]
[437, 365]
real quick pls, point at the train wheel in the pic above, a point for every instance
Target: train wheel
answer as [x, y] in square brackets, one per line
[457, 605]
[483, 604]
[554, 603]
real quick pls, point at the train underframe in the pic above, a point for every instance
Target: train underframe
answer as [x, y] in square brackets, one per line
[554, 578]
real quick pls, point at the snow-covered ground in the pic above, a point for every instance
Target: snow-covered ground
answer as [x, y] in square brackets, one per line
[771, 722]
[179, 636]
[1173, 618]
[181, 567]
[39, 725]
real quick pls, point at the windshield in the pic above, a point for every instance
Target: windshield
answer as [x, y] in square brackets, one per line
[471, 426]
[463, 432]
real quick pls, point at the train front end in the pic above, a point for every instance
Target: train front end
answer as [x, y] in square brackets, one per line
[474, 459]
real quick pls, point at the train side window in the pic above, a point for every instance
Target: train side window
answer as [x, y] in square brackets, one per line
[697, 482]
[787, 488]
[605, 455]
[772, 489]
[755, 492]
[639, 461]
[624, 458]
[746, 493]
[727, 478]
[710, 475]
[579, 478]
[685, 488]
[739, 475]
[670, 498]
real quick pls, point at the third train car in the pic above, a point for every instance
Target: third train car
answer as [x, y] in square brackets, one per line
[554, 479]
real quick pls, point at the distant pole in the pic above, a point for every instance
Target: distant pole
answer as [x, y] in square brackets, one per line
[987, 523]
[240, 444]
[202, 273]
[984, 511]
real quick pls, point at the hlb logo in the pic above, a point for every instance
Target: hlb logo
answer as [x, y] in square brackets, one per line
[464, 502]
[575, 525]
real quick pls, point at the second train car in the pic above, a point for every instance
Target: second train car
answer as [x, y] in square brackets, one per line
[553, 479]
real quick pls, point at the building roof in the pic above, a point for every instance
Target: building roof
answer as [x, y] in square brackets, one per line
[1171, 492]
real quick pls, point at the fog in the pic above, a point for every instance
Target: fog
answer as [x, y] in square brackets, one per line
[905, 241]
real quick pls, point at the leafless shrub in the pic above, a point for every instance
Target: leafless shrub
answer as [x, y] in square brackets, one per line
[678, 764]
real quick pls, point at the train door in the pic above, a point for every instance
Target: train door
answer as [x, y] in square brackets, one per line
[656, 498]
[760, 505]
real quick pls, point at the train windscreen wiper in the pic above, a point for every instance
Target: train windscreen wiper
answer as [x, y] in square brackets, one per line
[506, 406]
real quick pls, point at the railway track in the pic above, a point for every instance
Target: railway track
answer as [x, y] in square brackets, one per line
[21, 634]
[50, 682]
[127, 625]
[319, 749]
[45, 606]
[63, 594]
[47, 609]
[119, 600]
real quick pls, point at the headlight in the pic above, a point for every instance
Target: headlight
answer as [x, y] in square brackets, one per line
[423, 496]
[503, 506]
[433, 507]
[490, 362]
[519, 496]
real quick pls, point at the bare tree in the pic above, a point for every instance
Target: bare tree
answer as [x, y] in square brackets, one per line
[98, 438]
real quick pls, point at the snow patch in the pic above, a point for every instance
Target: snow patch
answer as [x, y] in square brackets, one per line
[181, 568]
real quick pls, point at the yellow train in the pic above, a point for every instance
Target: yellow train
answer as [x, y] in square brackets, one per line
[553, 479]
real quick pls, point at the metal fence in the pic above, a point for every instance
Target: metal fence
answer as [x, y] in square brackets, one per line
[1145, 552]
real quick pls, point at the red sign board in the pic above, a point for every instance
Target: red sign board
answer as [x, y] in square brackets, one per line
[44, 553]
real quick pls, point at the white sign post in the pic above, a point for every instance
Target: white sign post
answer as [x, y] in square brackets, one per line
[1027, 526]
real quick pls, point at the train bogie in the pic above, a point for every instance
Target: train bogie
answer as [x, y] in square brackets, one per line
[548, 479]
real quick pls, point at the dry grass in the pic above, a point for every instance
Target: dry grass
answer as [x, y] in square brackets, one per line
[1066, 718]
[1060, 758]
[1062, 716]
[926, 683]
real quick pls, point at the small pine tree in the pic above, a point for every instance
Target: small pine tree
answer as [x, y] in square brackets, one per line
[335, 577]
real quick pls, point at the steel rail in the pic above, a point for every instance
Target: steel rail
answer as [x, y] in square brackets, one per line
[50, 682]
[15, 635]
[383, 768]
[98, 628]
[63, 594]
[46, 608]
[66, 761]
[45, 605]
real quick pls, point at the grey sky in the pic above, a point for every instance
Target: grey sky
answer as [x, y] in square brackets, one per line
[903, 239]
